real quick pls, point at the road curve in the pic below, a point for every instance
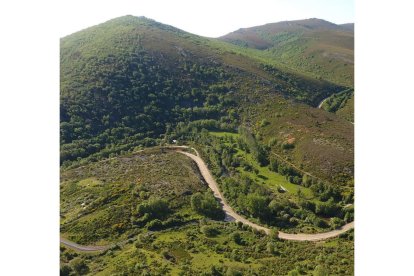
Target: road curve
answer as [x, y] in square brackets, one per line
[231, 215]
[318, 236]
[321, 103]
[84, 248]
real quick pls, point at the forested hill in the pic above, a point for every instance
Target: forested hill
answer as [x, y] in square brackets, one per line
[318, 47]
[131, 81]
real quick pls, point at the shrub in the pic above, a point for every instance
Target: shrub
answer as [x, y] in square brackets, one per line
[294, 272]
[155, 224]
[65, 270]
[235, 255]
[80, 266]
[154, 208]
[205, 204]
[209, 231]
[256, 205]
[287, 146]
[233, 272]
[336, 222]
[274, 234]
[320, 271]
[272, 141]
[320, 222]
[308, 205]
[264, 123]
[327, 209]
[270, 248]
[235, 236]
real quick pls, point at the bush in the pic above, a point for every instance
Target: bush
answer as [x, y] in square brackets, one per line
[80, 266]
[65, 270]
[205, 204]
[235, 255]
[336, 222]
[308, 205]
[144, 238]
[264, 123]
[154, 208]
[294, 272]
[287, 146]
[256, 205]
[270, 248]
[327, 209]
[320, 223]
[155, 224]
[274, 234]
[235, 236]
[209, 231]
[233, 272]
[320, 271]
[272, 142]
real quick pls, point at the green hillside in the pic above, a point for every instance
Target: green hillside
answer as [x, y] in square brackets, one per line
[147, 199]
[127, 82]
[131, 85]
[317, 47]
[341, 104]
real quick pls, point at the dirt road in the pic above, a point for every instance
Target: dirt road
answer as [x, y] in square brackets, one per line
[84, 248]
[231, 215]
[321, 103]
[318, 236]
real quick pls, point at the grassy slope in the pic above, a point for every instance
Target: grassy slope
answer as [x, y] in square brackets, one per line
[347, 112]
[97, 200]
[189, 252]
[323, 142]
[317, 47]
[112, 185]
[342, 104]
[265, 175]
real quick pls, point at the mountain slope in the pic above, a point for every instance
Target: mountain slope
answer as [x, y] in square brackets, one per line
[132, 83]
[319, 47]
[341, 104]
[126, 82]
[348, 26]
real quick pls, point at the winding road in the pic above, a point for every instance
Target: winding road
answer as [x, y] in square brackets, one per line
[84, 248]
[321, 103]
[231, 215]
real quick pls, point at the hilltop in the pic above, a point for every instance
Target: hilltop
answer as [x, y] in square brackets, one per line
[128, 81]
[317, 47]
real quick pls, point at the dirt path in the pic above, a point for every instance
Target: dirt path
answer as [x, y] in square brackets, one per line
[231, 215]
[321, 103]
[318, 236]
[84, 248]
